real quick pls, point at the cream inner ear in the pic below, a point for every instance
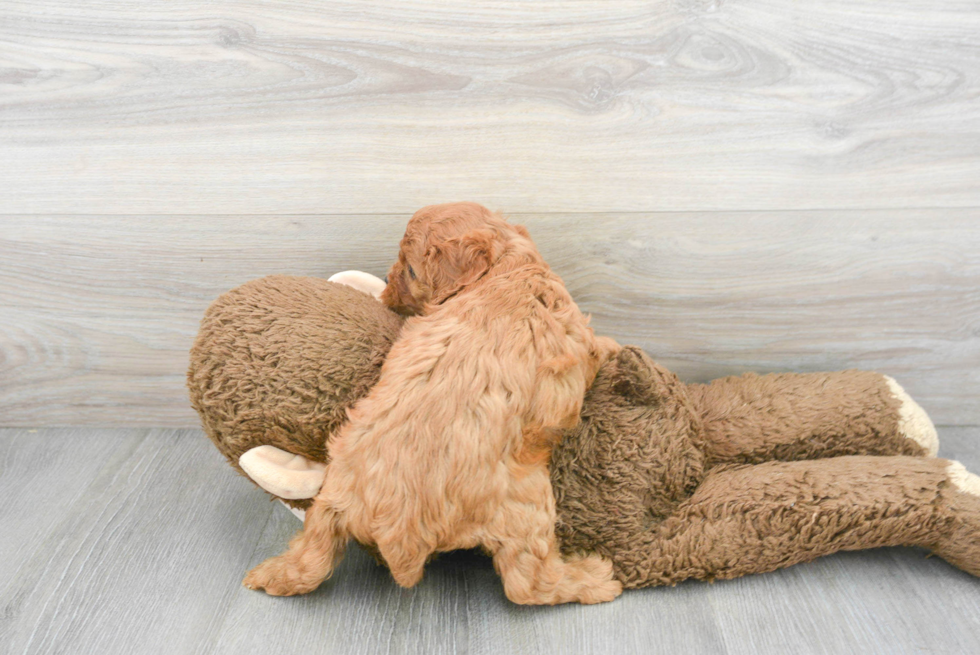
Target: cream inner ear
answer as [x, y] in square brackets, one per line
[283, 474]
[361, 281]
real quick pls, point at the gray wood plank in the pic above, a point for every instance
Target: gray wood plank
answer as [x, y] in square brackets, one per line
[458, 607]
[126, 539]
[98, 313]
[40, 481]
[153, 533]
[887, 601]
[614, 105]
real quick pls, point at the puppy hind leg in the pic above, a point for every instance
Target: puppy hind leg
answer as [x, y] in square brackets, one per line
[525, 553]
[310, 559]
[532, 579]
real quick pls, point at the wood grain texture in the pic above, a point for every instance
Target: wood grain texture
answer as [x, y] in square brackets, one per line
[142, 538]
[116, 541]
[99, 312]
[238, 106]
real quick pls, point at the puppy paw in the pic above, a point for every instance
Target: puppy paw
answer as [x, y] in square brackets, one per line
[596, 582]
[277, 577]
[603, 593]
[593, 565]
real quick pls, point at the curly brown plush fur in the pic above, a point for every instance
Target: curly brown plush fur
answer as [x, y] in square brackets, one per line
[280, 360]
[667, 480]
[635, 480]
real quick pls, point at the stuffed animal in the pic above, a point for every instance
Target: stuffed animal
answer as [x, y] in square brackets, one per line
[667, 480]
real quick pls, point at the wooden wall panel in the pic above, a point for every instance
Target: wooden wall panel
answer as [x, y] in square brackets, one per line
[248, 107]
[97, 313]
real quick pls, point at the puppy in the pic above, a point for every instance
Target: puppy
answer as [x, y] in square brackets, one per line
[450, 449]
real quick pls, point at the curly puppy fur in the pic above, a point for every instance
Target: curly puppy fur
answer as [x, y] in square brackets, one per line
[450, 449]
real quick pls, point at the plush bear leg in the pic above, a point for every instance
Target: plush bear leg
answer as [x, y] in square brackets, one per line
[796, 416]
[960, 544]
[751, 519]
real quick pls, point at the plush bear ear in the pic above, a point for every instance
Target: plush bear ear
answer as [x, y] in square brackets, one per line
[638, 379]
[283, 474]
[361, 281]
[455, 263]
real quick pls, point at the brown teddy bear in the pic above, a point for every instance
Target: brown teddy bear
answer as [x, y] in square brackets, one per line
[667, 480]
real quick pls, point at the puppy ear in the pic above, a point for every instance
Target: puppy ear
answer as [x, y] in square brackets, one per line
[456, 263]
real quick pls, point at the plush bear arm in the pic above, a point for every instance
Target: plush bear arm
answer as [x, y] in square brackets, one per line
[789, 416]
[750, 519]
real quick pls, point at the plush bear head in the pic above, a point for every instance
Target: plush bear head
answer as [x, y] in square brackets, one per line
[275, 366]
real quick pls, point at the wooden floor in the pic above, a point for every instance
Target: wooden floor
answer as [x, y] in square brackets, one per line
[136, 540]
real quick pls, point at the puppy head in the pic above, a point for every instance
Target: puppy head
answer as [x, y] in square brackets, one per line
[445, 249]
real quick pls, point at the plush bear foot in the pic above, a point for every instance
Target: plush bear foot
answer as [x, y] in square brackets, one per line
[961, 547]
[913, 422]
[278, 577]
